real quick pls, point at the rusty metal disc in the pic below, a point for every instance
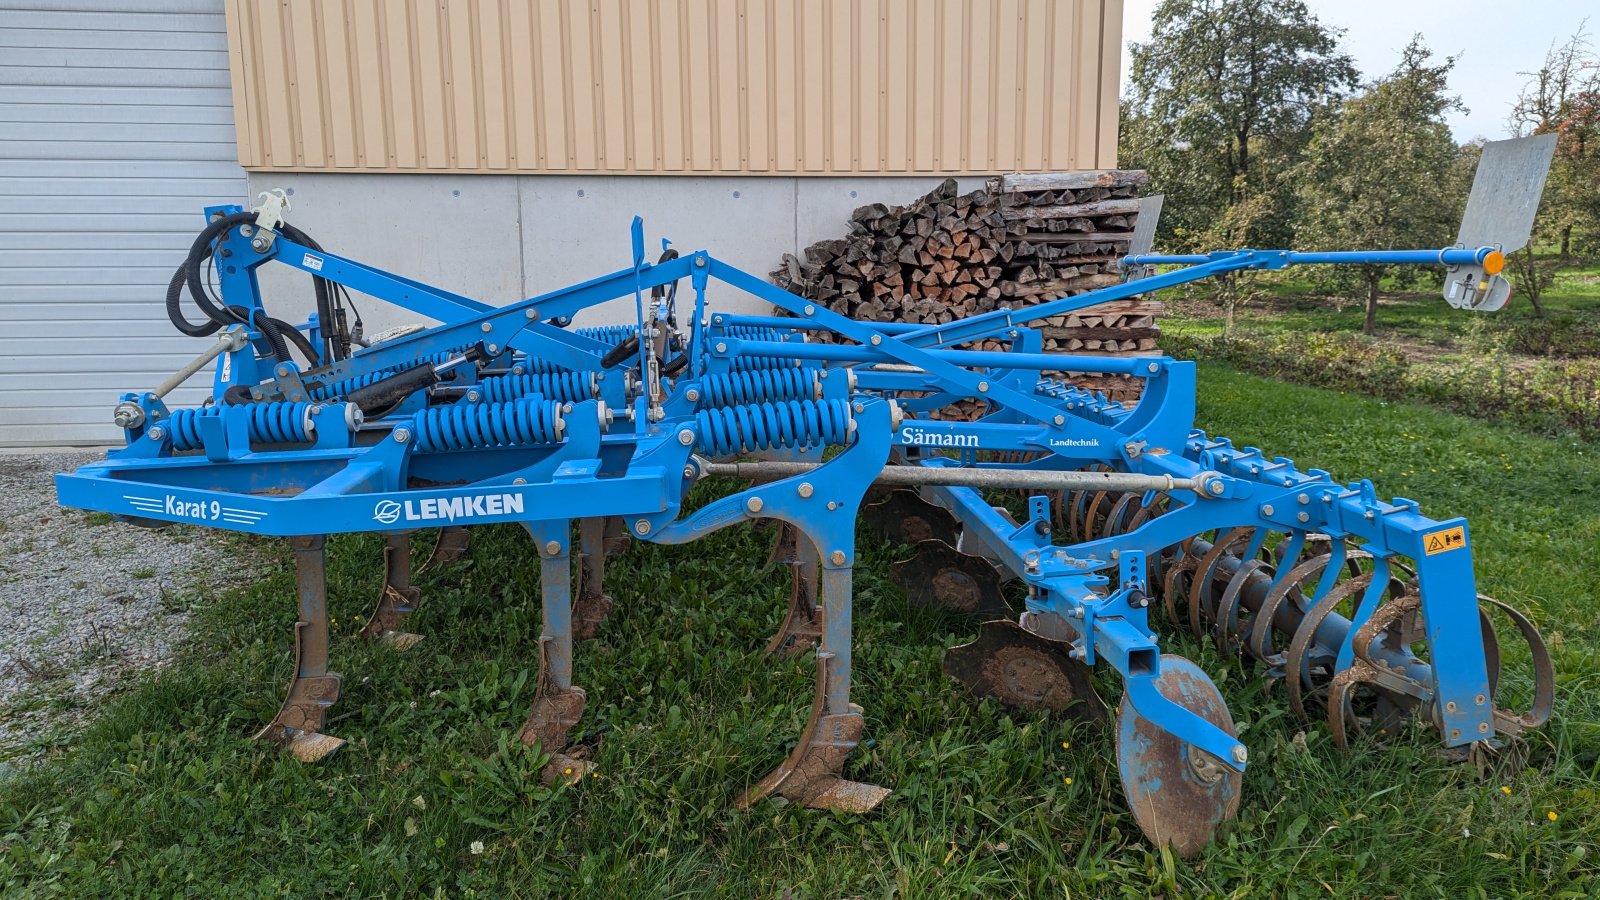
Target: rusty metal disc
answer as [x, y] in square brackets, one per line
[1023, 670]
[1178, 794]
[905, 518]
[943, 577]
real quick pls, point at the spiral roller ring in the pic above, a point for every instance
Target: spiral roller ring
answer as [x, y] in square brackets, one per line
[528, 421]
[765, 426]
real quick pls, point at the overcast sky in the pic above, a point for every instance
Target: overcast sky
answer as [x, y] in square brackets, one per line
[1495, 40]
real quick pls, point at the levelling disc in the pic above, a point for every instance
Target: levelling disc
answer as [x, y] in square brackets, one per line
[1022, 669]
[943, 577]
[1178, 794]
[905, 518]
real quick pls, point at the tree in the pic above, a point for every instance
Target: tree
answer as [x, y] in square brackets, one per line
[1563, 98]
[1219, 105]
[1381, 174]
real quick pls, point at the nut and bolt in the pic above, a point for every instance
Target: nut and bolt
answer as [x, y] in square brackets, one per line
[552, 548]
[1240, 754]
[692, 394]
[810, 310]
[519, 481]
[699, 262]
[754, 504]
[1266, 510]
[401, 435]
[833, 505]
[983, 387]
[1060, 420]
[473, 396]
[689, 471]
[1304, 499]
[486, 328]
[641, 527]
[722, 347]
[686, 437]
[157, 433]
[1216, 487]
[837, 557]
[531, 312]
[1153, 368]
[1079, 653]
[806, 490]
[877, 339]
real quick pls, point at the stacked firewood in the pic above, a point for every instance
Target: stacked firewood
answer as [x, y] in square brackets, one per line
[1022, 240]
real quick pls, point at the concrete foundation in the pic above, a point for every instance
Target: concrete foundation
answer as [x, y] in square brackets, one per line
[501, 239]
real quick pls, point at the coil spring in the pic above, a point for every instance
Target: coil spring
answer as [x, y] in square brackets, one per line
[270, 423]
[609, 334]
[566, 386]
[764, 426]
[460, 426]
[340, 388]
[757, 386]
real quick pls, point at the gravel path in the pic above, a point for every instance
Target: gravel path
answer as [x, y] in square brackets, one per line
[87, 602]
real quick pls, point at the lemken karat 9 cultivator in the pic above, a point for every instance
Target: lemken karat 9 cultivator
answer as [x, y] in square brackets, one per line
[1366, 610]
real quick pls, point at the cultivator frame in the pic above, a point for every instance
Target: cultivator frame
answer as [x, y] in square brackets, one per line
[503, 414]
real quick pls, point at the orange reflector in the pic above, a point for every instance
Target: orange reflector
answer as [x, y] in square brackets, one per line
[1494, 262]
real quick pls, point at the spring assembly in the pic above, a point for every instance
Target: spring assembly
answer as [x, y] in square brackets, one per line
[269, 423]
[765, 426]
[527, 421]
[565, 386]
[757, 386]
[344, 386]
[611, 335]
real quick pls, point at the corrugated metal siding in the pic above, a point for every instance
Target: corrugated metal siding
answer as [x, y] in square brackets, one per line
[804, 87]
[116, 128]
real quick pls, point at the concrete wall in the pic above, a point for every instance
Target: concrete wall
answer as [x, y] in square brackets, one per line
[502, 238]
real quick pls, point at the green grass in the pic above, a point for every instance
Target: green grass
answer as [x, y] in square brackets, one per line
[166, 795]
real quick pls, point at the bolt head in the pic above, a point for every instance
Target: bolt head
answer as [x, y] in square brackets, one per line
[1266, 510]
[1304, 499]
[686, 437]
[877, 339]
[486, 328]
[1060, 420]
[1240, 754]
[692, 395]
[806, 490]
[699, 262]
[157, 433]
[722, 347]
[810, 310]
[401, 435]
[641, 527]
[1154, 368]
[532, 312]
[473, 396]
[983, 387]
[552, 548]
[837, 557]
[1303, 517]
[688, 471]
[1216, 487]
[519, 481]
[754, 504]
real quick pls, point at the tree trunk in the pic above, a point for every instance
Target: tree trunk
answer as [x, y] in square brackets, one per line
[1370, 324]
[1566, 244]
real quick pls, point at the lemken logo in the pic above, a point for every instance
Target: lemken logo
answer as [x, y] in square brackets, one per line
[388, 512]
[918, 437]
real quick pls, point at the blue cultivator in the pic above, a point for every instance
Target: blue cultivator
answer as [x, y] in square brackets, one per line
[1365, 609]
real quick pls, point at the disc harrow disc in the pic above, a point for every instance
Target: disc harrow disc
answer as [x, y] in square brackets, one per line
[942, 577]
[905, 518]
[1177, 793]
[1023, 670]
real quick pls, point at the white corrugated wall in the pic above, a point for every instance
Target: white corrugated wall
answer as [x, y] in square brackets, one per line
[116, 128]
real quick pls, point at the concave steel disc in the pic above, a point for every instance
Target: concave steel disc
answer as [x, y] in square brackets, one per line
[1179, 795]
[905, 518]
[1024, 670]
[942, 577]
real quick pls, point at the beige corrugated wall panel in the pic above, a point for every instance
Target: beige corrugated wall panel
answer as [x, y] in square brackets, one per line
[780, 87]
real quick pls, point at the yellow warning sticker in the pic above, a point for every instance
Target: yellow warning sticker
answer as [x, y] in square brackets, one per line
[1445, 541]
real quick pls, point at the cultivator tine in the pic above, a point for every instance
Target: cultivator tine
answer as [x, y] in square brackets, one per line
[802, 623]
[398, 599]
[1024, 670]
[1180, 795]
[811, 775]
[617, 540]
[312, 688]
[557, 704]
[905, 518]
[450, 545]
[594, 604]
[941, 577]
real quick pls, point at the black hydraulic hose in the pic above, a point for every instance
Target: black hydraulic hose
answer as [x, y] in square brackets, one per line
[333, 344]
[175, 311]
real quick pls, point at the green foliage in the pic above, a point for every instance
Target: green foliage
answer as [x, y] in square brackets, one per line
[1563, 98]
[1219, 103]
[1378, 175]
[165, 795]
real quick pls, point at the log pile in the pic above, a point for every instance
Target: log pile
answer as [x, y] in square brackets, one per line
[1022, 240]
